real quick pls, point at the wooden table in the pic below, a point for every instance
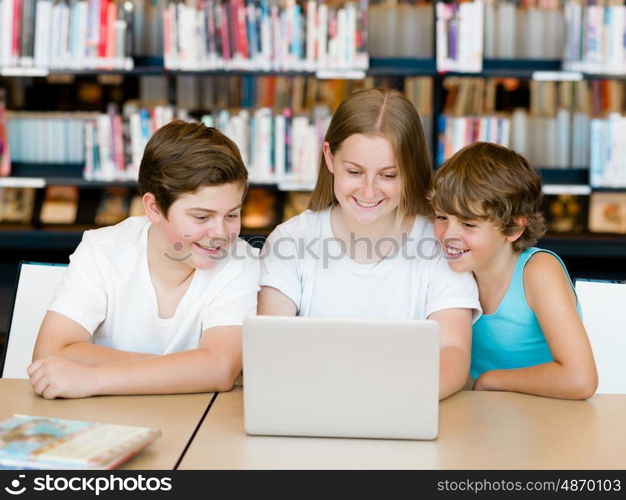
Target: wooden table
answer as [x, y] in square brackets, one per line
[176, 415]
[478, 430]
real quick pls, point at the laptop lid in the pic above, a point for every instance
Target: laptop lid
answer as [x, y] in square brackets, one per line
[341, 377]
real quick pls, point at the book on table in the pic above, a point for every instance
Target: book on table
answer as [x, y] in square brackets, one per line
[34, 442]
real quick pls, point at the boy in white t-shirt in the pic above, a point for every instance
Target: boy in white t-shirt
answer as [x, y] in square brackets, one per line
[365, 248]
[155, 304]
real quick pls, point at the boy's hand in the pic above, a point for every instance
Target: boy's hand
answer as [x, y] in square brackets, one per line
[54, 377]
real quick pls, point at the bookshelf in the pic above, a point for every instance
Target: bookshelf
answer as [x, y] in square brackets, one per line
[390, 63]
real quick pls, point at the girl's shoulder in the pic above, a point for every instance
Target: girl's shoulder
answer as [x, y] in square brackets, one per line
[304, 224]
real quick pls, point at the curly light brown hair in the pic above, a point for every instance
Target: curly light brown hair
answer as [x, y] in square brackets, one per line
[490, 182]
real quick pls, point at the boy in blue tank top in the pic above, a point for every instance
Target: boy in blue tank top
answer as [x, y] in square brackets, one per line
[486, 201]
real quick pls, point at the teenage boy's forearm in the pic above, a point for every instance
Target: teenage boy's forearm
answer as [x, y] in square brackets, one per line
[93, 355]
[549, 379]
[453, 369]
[193, 371]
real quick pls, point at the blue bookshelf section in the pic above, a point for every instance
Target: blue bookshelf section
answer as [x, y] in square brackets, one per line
[41, 239]
[402, 67]
[578, 176]
[587, 245]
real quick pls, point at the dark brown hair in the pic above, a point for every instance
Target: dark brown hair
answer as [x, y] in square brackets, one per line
[182, 157]
[490, 182]
[390, 114]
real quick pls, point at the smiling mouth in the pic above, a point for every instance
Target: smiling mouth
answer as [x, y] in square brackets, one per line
[454, 253]
[212, 250]
[364, 204]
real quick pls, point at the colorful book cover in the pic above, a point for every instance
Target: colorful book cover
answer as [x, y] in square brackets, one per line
[53, 443]
[5, 156]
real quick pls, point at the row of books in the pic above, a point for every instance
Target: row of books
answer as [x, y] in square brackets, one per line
[114, 143]
[277, 147]
[459, 29]
[260, 35]
[476, 96]
[560, 141]
[401, 29]
[298, 93]
[566, 140]
[596, 36]
[607, 167]
[526, 30]
[108, 144]
[455, 132]
[47, 137]
[5, 156]
[587, 34]
[63, 34]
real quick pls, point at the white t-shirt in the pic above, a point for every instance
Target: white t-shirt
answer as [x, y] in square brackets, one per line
[304, 261]
[108, 290]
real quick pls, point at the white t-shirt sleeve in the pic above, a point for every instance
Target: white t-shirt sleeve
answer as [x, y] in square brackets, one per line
[451, 290]
[280, 266]
[236, 300]
[81, 296]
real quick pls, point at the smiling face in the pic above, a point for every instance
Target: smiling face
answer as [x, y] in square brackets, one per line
[471, 244]
[367, 181]
[200, 226]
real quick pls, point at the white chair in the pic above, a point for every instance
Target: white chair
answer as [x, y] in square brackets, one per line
[603, 305]
[36, 285]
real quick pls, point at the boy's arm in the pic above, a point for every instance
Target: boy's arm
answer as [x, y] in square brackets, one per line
[455, 327]
[572, 374]
[213, 366]
[65, 338]
[273, 302]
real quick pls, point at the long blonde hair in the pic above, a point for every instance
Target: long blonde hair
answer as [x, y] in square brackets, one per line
[390, 114]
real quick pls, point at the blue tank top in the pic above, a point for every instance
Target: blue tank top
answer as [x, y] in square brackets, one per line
[511, 337]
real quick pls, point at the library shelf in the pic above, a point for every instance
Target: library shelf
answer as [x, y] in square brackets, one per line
[67, 239]
[586, 245]
[40, 182]
[579, 176]
[41, 239]
[141, 66]
[398, 66]
[513, 68]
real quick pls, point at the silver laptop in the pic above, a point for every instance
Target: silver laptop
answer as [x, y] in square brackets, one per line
[341, 377]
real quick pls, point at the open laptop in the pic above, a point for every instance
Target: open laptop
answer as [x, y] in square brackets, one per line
[341, 377]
